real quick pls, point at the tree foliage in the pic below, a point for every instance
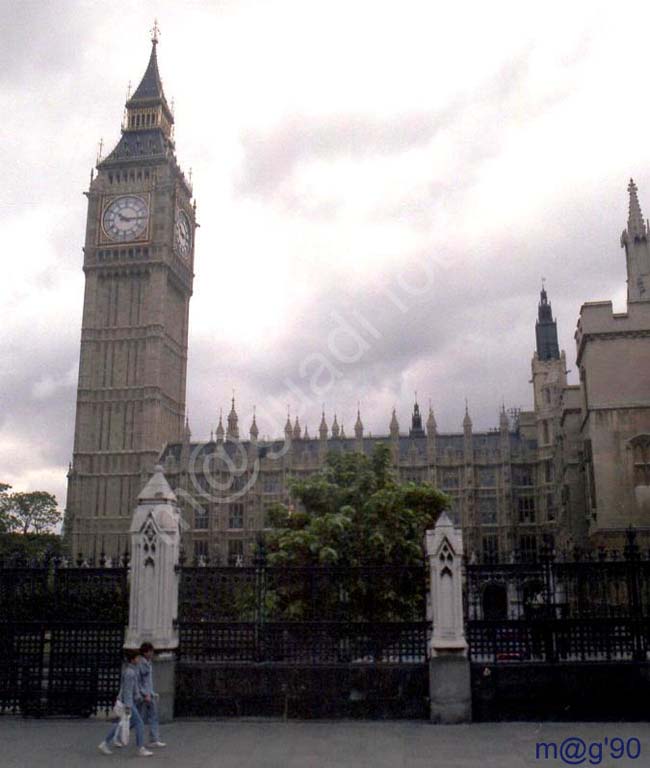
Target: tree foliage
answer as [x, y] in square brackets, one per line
[354, 512]
[35, 512]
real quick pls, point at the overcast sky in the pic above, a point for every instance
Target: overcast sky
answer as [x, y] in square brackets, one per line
[408, 169]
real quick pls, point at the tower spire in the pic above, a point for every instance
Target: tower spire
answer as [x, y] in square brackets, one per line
[546, 329]
[637, 249]
[636, 227]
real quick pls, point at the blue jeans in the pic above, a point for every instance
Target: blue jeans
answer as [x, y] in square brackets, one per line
[135, 722]
[149, 713]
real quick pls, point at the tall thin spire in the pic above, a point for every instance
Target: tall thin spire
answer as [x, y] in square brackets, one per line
[335, 428]
[233, 422]
[636, 226]
[394, 425]
[416, 421]
[546, 329]
[637, 249]
[322, 429]
[358, 425]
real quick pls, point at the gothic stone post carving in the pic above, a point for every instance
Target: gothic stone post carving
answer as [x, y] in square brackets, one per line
[449, 673]
[155, 543]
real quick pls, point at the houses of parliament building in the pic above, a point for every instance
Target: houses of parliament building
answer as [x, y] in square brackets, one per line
[572, 471]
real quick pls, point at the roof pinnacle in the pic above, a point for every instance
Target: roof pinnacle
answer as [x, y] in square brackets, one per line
[636, 227]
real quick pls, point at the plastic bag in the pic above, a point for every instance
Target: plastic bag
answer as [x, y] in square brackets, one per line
[118, 709]
[124, 729]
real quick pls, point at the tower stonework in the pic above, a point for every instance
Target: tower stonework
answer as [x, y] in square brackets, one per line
[138, 265]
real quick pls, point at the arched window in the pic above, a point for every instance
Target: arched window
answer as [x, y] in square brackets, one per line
[641, 458]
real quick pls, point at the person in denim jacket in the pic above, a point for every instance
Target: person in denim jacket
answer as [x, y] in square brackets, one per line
[130, 696]
[149, 703]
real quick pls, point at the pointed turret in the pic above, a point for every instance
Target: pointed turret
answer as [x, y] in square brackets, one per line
[296, 430]
[288, 429]
[322, 429]
[546, 330]
[233, 422]
[467, 422]
[254, 432]
[342, 433]
[431, 423]
[187, 434]
[358, 426]
[636, 226]
[394, 425]
[416, 422]
[637, 250]
[305, 434]
[335, 428]
[220, 431]
[504, 423]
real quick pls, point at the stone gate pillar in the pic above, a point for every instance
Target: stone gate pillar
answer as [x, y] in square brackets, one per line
[153, 598]
[449, 671]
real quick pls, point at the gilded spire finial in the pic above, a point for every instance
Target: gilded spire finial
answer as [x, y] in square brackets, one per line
[155, 32]
[100, 151]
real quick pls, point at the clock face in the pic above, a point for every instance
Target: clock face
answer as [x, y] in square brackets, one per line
[125, 218]
[183, 235]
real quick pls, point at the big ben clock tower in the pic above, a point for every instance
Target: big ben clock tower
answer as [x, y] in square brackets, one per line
[138, 263]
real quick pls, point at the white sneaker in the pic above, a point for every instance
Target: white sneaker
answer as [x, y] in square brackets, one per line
[158, 744]
[117, 744]
[103, 748]
[144, 752]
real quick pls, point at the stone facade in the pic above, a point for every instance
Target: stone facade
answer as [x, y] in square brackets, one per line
[603, 448]
[226, 486]
[138, 264]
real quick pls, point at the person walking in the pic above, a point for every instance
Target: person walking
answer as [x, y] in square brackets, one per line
[130, 696]
[149, 703]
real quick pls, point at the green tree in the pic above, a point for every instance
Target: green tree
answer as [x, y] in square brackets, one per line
[354, 512]
[34, 512]
[4, 517]
[351, 514]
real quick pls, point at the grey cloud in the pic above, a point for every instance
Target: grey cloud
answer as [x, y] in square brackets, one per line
[270, 159]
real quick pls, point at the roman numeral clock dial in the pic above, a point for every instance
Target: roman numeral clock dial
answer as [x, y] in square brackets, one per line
[125, 218]
[183, 235]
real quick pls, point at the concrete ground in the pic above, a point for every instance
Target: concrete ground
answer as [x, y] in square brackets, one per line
[321, 744]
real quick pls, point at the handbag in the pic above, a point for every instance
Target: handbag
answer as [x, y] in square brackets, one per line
[118, 708]
[123, 729]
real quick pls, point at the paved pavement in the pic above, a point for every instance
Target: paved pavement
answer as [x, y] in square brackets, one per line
[295, 744]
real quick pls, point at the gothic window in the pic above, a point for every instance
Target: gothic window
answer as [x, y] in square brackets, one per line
[487, 508]
[236, 515]
[236, 552]
[522, 475]
[548, 472]
[200, 548]
[526, 508]
[641, 452]
[546, 437]
[550, 507]
[486, 476]
[528, 548]
[490, 549]
[272, 483]
[201, 519]
[449, 479]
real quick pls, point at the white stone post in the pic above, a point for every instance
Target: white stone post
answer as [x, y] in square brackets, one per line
[449, 672]
[153, 598]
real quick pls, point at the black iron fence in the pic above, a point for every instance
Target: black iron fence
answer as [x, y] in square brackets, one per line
[552, 639]
[303, 641]
[589, 608]
[61, 635]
